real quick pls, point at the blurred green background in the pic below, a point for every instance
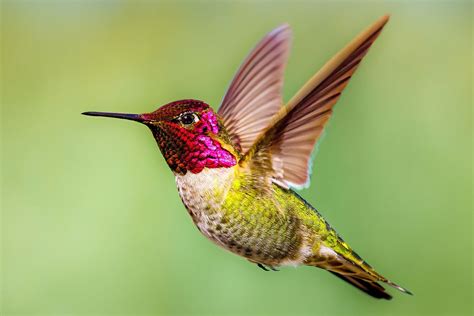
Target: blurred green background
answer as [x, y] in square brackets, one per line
[91, 220]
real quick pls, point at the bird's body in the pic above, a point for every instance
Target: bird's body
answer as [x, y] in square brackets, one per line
[272, 227]
[261, 226]
[235, 169]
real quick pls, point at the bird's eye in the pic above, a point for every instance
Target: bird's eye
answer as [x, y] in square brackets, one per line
[188, 118]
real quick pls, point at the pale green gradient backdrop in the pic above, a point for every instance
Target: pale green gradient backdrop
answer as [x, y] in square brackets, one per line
[91, 220]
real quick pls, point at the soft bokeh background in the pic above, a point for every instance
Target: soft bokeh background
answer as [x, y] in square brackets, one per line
[92, 223]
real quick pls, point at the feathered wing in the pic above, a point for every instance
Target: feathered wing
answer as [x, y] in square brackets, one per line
[285, 147]
[254, 95]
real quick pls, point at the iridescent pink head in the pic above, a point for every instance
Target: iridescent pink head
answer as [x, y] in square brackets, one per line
[189, 134]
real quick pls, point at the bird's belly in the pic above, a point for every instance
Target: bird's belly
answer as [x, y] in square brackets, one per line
[244, 226]
[235, 235]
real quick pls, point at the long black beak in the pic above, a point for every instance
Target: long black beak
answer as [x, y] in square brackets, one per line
[124, 116]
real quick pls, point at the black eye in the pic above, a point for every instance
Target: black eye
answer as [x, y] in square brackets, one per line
[188, 118]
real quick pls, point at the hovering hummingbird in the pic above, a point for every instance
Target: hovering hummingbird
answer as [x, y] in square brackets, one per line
[236, 169]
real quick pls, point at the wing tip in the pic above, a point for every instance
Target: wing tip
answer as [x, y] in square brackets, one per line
[377, 25]
[384, 18]
[283, 30]
[283, 26]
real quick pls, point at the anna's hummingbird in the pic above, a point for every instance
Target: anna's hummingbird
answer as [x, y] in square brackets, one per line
[235, 169]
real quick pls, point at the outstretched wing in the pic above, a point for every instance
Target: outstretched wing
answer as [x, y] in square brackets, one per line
[284, 149]
[254, 95]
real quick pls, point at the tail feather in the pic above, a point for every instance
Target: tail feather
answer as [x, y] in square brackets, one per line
[398, 287]
[353, 270]
[370, 287]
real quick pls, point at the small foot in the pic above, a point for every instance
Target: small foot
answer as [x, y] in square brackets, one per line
[262, 267]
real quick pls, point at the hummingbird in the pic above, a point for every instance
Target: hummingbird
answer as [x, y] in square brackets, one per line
[237, 169]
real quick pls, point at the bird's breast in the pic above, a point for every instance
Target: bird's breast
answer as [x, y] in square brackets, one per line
[203, 194]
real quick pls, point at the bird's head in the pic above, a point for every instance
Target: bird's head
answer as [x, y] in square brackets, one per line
[189, 133]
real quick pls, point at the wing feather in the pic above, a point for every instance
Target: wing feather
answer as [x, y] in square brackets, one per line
[295, 129]
[254, 95]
